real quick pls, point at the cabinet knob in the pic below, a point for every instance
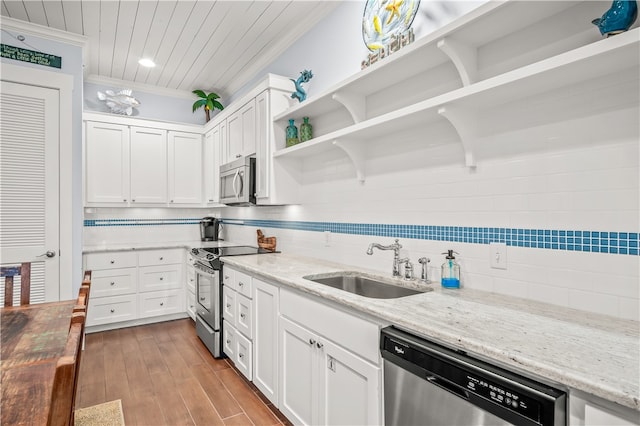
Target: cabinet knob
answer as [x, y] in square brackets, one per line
[228, 341]
[124, 199]
[319, 345]
[133, 201]
[161, 278]
[161, 258]
[202, 298]
[240, 355]
[226, 277]
[312, 342]
[113, 310]
[112, 262]
[238, 155]
[172, 201]
[228, 305]
[242, 316]
[112, 283]
[161, 303]
[240, 283]
[211, 200]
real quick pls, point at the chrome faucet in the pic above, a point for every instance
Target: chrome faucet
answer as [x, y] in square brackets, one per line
[396, 254]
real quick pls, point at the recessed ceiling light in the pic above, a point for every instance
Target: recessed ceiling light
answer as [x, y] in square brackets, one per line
[146, 62]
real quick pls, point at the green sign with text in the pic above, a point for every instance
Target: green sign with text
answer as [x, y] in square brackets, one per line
[31, 56]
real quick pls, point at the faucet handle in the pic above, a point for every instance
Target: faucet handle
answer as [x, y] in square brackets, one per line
[408, 270]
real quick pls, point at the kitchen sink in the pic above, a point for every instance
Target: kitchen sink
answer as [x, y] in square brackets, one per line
[362, 285]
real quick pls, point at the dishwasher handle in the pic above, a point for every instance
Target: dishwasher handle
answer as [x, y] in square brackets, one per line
[448, 386]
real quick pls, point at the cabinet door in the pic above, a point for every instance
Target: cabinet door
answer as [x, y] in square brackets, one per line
[107, 163]
[148, 165]
[185, 168]
[298, 375]
[160, 303]
[242, 131]
[228, 304]
[211, 172]
[265, 339]
[244, 358]
[244, 315]
[263, 151]
[229, 340]
[349, 388]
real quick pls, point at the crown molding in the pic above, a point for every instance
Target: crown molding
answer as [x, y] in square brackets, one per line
[54, 34]
[147, 88]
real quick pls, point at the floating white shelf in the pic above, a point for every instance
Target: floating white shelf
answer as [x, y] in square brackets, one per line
[461, 46]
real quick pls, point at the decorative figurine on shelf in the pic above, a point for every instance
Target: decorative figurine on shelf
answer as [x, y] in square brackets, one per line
[300, 93]
[292, 134]
[305, 130]
[120, 103]
[618, 19]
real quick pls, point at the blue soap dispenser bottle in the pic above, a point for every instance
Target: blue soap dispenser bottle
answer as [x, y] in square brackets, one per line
[450, 271]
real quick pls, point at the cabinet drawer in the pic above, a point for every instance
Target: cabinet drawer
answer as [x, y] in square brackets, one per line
[243, 284]
[160, 303]
[228, 339]
[112, 282]
[244, 315]
[228, 304]
[107, 310]
[354, 333]
[191, 279]
[243, 356]
[191, 305]
[163, 277]
[114, 260]
[160, 257]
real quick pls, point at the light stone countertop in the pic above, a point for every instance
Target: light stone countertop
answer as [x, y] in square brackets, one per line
[105, 248]
[596, 354]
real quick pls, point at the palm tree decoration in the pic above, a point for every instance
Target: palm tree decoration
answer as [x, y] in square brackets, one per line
[209, 102]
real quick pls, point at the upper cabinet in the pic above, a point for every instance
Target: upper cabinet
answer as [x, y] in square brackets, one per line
[505, 78]
[241, 140]
[185, 168]
[132, 162]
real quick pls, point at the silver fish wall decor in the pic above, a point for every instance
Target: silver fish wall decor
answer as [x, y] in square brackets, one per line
[120, 103]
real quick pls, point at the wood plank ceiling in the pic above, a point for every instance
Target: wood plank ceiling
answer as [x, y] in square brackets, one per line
[215, 45]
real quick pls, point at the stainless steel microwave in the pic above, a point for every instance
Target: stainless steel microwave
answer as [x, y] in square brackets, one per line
[238, 182]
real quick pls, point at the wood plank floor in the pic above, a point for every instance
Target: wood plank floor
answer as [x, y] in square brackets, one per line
[164, 375]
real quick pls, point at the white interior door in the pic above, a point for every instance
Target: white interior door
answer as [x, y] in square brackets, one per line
[29, 184]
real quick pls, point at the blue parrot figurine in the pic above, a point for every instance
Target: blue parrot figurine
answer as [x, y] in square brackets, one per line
[620, 16]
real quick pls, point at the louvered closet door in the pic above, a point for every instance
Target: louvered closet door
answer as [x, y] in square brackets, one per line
[29, 194]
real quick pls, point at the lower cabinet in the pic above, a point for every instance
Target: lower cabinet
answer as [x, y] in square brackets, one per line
[322, 383]
[237, 314]
[586, 410]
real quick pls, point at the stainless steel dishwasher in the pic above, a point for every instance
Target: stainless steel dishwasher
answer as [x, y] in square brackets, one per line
[428, 384]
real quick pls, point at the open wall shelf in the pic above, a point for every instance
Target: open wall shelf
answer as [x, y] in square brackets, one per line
[468, 69]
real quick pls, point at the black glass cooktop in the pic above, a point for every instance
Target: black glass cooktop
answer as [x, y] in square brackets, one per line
[235, 250]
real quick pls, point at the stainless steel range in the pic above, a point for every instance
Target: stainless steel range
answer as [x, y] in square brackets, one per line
[209, 289]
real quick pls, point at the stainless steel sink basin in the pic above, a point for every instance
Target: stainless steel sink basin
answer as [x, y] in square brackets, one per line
[362, 285]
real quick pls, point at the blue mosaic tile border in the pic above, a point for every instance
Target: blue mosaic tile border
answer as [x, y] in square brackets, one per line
[552, 239]
[625, 243]
[139, 222]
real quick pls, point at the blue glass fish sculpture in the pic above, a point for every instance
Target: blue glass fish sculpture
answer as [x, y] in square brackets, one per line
[620, 16]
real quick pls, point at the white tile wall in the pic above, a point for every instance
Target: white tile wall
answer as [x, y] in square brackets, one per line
[594, 188]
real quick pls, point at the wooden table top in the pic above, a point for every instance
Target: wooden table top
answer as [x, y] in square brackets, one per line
[32, 337]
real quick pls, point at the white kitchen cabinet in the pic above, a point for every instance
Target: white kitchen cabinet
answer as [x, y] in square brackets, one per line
[241, 141]
[214, 140]
[190, 279]
[135, 287]
[148, 167]
[265, 338]
[107, 163]
[325, 377]
[274, 183]
[475, 89]
[185, 168]
[237, 313]
[588, 410]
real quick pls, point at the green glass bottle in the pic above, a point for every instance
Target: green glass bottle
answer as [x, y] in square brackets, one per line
[292, 134]
[305, 130]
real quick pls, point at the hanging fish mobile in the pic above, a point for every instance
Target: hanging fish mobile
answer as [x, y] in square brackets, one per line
[120, 103]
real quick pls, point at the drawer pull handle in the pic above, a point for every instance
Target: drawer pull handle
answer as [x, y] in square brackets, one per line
[113, 310]
[312, 342]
